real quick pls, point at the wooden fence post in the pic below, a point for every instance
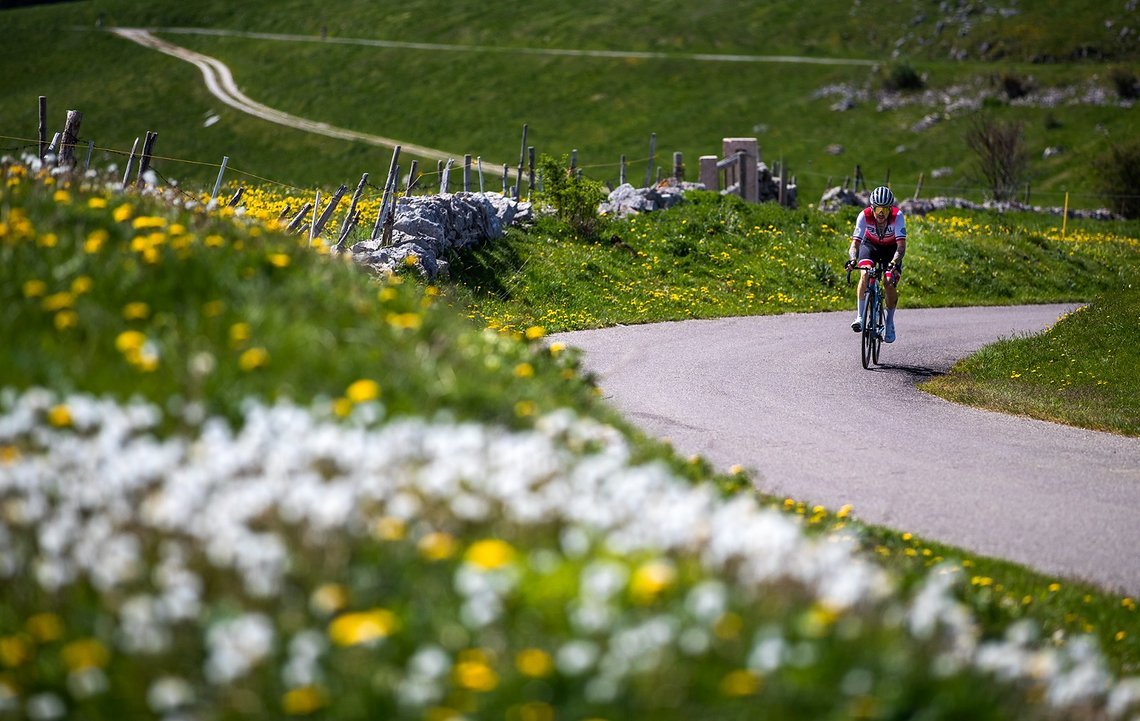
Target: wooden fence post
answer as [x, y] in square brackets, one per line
[522, 158]
[783, 188]
[43, 126]
[479, 167]
[70, 138]
[313, 222]
[530, 173]
[284, 212]
[467, 173]
[411, 179]
[388, 185]
[144, 163]
[390, 212]
[621, 173]
[237, 197]
[506, 172]
[918, 188]
[349, 222]
[652, 150]
[298, 218]
[678, 167]
[445, 178]
[218, 182]
[324, 219]
[53, 146]
[130, 162]
[573, 160]
[887, 180]
[90, 149]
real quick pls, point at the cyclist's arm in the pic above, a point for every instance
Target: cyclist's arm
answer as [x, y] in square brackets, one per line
[900, 250]
[856, 237]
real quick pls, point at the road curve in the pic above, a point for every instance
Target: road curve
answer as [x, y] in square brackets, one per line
[786, 398]
[220, 83]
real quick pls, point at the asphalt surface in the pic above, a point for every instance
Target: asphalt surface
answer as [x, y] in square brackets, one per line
[787, 398]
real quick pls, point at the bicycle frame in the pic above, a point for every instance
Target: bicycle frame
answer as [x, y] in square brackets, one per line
[874, 314]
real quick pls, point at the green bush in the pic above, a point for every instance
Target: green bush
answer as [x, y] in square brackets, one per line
[575, 199]
[1118, 177]
[902, 77]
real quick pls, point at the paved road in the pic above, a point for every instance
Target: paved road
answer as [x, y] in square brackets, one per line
[787, 398]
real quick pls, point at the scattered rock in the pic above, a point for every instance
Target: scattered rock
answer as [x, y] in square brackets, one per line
[627, 200]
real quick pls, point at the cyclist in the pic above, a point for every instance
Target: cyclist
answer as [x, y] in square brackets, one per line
[880, 235]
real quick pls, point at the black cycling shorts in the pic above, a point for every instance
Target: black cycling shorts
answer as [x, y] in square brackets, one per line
[879, 253]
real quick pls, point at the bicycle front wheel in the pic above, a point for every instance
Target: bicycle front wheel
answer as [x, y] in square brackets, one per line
[867, 347]
[880, 328]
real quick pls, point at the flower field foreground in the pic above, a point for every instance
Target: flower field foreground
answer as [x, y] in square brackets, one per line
[422, 569]
[240, 479]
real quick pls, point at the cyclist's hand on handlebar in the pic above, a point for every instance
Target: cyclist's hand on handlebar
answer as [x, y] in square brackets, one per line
[850, 265]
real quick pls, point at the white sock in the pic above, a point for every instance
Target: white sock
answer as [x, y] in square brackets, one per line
[862, 305]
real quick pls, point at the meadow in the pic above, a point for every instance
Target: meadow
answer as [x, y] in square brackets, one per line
[241, 477]
[233, 466]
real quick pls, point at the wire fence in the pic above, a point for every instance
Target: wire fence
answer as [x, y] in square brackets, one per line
[431, 177]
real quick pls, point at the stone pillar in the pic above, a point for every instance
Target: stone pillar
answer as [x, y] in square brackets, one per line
[709, 172]
[749, 188]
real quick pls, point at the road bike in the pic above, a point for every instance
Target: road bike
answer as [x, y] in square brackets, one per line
[874, 312]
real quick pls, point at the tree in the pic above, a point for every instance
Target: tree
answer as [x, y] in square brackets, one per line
[1002, 158]
[1118, 179]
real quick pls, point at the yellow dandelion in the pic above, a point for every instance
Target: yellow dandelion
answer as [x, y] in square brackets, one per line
[45, 627]
[351, 629]
[650, 579]
[13, 651]
[476, 676]
[129, 341]
[328, 598]
[58, 301]
[34, 288]
[60, 416]
[85, 653]
[214, 241]
[556, 348]
[65, 319]
[303, 700]
[1120, 635]
[97, 203]
[279, 260]
[253, 359]
[524, 370]
[741, 682]
[1054, 587]
[47, 240]
[389, 528]
[137, 310]
[239, 332]
[342, 407]
[534, 662]
[9, 454]
[525, 409]
[123, 212]
[386, 294]
[535, 332]
[95, 240]
[82, 284]
[363, 390]
[845, 511]
[438, 546]
[404, 321]
[62, 196]
[148, 221]
[490, 554]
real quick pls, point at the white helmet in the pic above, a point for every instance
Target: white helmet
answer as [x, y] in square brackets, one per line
[882, 195]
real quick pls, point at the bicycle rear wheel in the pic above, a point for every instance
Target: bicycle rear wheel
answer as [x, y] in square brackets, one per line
[868, 339]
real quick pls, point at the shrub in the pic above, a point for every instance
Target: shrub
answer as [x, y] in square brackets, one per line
[1002, 158]
[1118, 178]
[1015, 86]
[1126, 83]
[902, 77]
[575, 199]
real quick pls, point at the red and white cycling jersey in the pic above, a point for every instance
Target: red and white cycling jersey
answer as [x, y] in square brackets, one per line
[867, 230]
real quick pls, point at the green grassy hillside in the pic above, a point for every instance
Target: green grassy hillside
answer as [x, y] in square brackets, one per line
[476, 100]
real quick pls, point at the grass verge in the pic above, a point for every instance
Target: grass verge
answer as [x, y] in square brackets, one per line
[1083, 371]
